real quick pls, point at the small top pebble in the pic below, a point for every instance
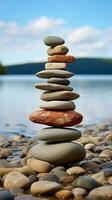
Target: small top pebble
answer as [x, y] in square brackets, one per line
[53, 41]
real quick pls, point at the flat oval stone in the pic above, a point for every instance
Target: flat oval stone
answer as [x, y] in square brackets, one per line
[56, 118]
[61, 58]
[59, 153]
[59, 134]
[44, 187]
[76, 171]
[59, 171]
[54, 73]
[55, 65]
[39, 165]
[86, 182]
[103, 193]
[64, 194]
[52, 87]
[79, 192]
[53, 41]
[16, 180]
[49, 177]
[61, 81]
[59, 95]
[57, 105]
[57, 50]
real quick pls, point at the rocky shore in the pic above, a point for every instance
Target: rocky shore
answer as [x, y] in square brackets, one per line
[66, 160]
[26, 178]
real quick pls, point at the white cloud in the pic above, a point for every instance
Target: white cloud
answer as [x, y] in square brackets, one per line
[88, 41]
[83, 35]
[25, 40]
[43, 24]
[20, 43]
[33, 28]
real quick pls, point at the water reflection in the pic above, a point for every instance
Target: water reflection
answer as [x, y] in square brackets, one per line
[18, 99]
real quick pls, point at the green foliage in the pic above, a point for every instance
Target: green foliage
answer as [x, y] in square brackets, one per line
[2, 69]
[80, 66]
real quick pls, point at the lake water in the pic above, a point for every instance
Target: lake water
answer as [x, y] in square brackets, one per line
[18, 99]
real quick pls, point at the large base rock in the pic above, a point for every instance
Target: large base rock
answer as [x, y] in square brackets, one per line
[59, 153]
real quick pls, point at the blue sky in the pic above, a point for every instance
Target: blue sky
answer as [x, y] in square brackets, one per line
[86, 25]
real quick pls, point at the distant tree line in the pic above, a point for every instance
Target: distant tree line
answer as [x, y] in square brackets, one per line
[2, 69]
[80, 66]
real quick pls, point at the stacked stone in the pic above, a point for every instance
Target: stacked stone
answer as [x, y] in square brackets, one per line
[57, 109]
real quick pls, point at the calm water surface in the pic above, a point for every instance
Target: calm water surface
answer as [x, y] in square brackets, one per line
[18, 99]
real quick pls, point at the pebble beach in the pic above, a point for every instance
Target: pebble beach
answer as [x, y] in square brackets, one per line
[66, 160]
[88, 179]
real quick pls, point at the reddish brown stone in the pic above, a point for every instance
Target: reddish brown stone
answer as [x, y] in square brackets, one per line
[61, 58]
[56, 118]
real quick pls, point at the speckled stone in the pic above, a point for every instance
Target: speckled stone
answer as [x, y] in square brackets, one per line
[56, 118]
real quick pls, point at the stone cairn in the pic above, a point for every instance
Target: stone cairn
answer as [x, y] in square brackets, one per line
[57, 109]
